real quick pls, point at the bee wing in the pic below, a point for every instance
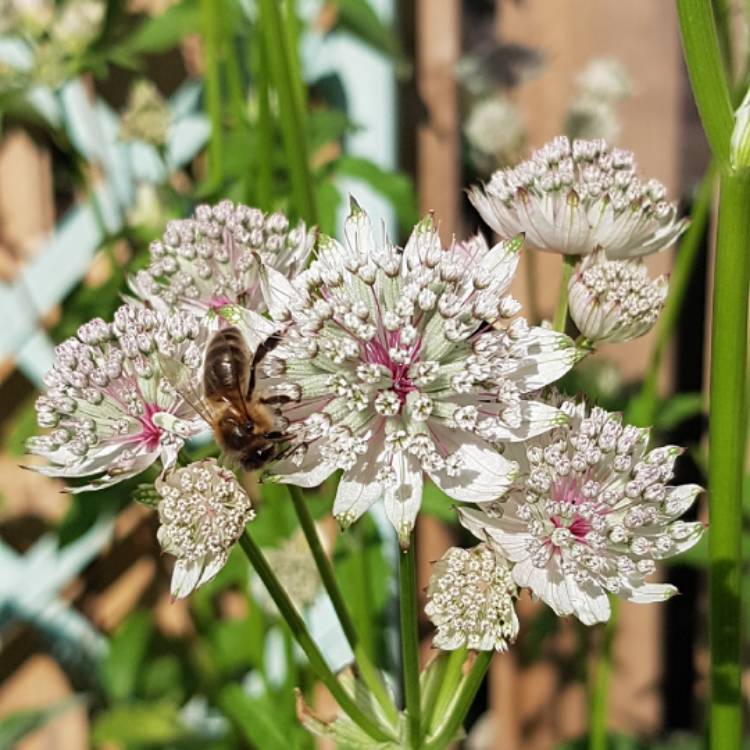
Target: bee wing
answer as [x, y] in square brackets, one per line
[180, 378]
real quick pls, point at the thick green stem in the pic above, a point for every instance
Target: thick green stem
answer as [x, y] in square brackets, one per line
[450, 675]
[367, 670]
[700, 43]
[407, 581]
[302, 636]
[447, 730]
[727, 435]
[210, 10]
[642, 409]
[600, 692]
[291, 114]
[561, 311]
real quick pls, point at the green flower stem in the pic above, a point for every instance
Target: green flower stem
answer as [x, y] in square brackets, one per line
[304, 639]
[561, 311]
[407, 582]
[642, 409]
[728, 362]
[600, 692]
[264, 184]
[445, 684]
[211, 24]
[291, 114]
[726, 457]
[367, 670]
[705, 66]
[467, 690]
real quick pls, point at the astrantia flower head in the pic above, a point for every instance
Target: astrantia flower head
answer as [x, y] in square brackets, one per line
[470, 600]
[589, 513]
[147, 117]
[573, 199]
[212, 260]
[391, 370]
[110, 410]
[614, 300]
[203, 512]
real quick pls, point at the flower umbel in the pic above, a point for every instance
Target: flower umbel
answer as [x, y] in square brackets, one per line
[470, 600]
[111, 411]
[212, 260]
[589, 514]
[390, 369]
[147, 117]
[203, 511]
[573, 199]
[614, 300]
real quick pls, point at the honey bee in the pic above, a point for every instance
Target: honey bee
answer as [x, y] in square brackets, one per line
[244, 422]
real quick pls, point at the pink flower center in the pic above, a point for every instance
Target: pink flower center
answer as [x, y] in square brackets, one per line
[150, 434]
[216, 303]
[568, 491]
[376, 353]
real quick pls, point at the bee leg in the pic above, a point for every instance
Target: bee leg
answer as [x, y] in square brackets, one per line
[267, 346]
[275, 400]
[276, 436]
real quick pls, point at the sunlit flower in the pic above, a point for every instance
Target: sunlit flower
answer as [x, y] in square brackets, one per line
[614, 300]
[203, 512]
[605, 79]
[589, 514]
[389, 371]
[147, 116]
[295, 567]
[494, 127]
[575, 199]
[110, 410]
[78, 23]
[470, 600]
[212, 260]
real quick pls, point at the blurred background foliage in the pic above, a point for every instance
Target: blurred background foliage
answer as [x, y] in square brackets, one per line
[171, 103]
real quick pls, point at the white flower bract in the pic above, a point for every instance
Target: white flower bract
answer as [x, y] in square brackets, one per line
[470, 600]
[614, 300]
[211, 260]
[590, 513]
[391, 369]
[110, 411]
[203, 511]
[575, 198]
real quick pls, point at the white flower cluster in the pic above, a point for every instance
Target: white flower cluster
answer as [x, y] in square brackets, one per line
[470, 600]
[203, 512]
[614, 300]
[212, 260]
[391, 371]
[589, 514]
[110, 410]
[575, 198]
[147, 116]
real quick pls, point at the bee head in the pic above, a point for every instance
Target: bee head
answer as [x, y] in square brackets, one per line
[236, 431]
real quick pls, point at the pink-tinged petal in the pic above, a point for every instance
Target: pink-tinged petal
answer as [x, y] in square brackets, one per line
[358, 489]
[507, 533]
[679, 499]
[403, 496]
[280, 296]
[548, 356]
[310, 472]
[254, 327]
[185, 577]
[483, 475]
[649, 593]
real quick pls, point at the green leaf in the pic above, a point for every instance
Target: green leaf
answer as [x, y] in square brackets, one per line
[359, 19]
[255, 718]
[161, 33]
[128, 649]
[141, 723]
[394, 186]
[676, 409]
[16, 726]
[328, 197]
[232, 648]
